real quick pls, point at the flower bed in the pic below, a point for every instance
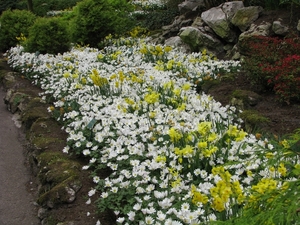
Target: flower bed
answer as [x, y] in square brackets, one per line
[176, 156]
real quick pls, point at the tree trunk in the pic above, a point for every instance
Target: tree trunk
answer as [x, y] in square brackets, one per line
[30, 5]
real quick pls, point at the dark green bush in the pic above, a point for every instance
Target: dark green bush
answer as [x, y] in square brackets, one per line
[95, 19]
[48, 35]
[13, 23]
[7, 4]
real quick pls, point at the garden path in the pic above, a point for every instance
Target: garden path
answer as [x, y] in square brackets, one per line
[16, 200]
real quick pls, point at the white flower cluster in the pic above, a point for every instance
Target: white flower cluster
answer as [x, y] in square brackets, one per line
[176, 156]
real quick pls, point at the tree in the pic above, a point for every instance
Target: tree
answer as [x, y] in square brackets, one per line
[30, 5]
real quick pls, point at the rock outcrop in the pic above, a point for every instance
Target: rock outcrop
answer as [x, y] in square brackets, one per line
[219, 29]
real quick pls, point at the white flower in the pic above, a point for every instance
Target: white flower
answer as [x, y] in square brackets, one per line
[104, 195]
[66, 149]
[114, 189]
[86, 152]
[92, 192]
[85, 167]
[185, 206]
[120, 219]
[149, 220]
[96, 179]
[137, 206]
[131, 215]
[161, 216]
[93, 160]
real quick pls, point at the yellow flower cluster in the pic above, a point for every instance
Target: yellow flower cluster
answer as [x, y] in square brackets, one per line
[97, 79]
[155, 50]
[235, 133]
[265, 185]
[175, 135]
[225, 190]
[198, 197]
[152, 97]
[185, 152]
[22, 38]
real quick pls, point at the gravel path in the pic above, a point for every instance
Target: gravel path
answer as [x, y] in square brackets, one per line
[16, 202]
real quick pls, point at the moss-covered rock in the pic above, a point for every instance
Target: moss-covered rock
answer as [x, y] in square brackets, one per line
[253, 120]
[244, 98]
[35, 109]
[59, 177]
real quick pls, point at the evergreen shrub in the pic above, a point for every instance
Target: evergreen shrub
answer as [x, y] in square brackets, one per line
[48, 35]
[13, 24]
[95, 19]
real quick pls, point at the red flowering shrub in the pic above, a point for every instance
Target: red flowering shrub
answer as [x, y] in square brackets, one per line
[274, 64]
[285, 78]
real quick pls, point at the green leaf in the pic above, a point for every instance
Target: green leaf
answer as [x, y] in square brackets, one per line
[91, 124]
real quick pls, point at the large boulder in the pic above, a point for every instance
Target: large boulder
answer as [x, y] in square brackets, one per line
[218, 19]
[244, 17]
[191, 5]
[199, 40]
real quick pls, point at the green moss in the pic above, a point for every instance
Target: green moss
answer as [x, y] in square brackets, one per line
[49, 158]
[253, 120]
[253, 117]
[44, 142]
[56, 167]
[206, 85]
[59, 193]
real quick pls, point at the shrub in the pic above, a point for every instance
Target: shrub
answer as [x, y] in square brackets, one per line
[48, 35]
[285, 78]
[7, 4]
[95, 19]
[274, 63]
[13, 24]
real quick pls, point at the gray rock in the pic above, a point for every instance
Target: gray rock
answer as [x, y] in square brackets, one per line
[244, 17]
[279, 29]
[42, 213]
[191, 5]
[178, 43]
[230, 8]
[70, 195]
[262, 29]
[218, 19]
[198, 22]
[199, 40]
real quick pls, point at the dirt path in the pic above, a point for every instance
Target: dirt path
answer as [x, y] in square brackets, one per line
[16, 202]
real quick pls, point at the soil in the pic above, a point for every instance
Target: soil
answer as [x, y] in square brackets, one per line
[283, 119]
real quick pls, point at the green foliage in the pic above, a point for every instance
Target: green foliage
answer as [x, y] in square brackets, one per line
[95, 19]
[267, 4]
[7, 4]
[275, 205]
[48, 35]
[13, 24]
[297, 2]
